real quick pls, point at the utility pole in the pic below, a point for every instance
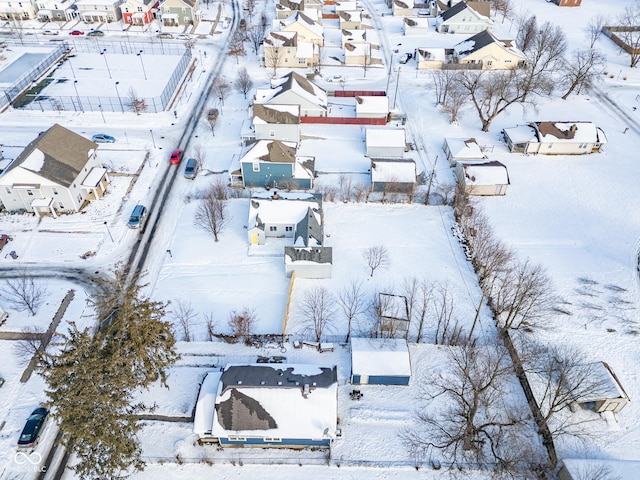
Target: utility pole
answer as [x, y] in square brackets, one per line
[433, 174]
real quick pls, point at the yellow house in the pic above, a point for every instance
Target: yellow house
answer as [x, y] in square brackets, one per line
[485, 49]
[307, 29]
[282, 49]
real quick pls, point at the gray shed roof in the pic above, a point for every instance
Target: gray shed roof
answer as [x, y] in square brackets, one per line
[272, 376]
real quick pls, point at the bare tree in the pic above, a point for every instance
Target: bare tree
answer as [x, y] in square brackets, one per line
[184, 314]
[250, 6]
[220, 89]
[561, 377]
[345, 187]
[523, 297]
[318, 309]
[527, 31]
[242, 323]
[211, 214]
[360, 192]
[273, 56]
[219, 188]
[421, 303]
[448, 329]
[212, 120]
[351, 300]
[255, 36]
[135, 103]
[583, 70]
[236, 46]
[629, 21]
[30, 343]
[594, 28]
[211, 324]
[376, 257]
[23, 293]
[243, 82]
[472, 425]
[442, 81]
[504, 7]
[457, 97]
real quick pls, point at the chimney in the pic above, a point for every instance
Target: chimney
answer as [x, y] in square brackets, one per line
[573, 128]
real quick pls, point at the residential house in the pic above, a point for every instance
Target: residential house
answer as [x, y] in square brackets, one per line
[298, 217]
[282, 49]
[485, 49]
[285, 8]
[380, 361]
[276, 122]
[269, 405]
[58, 172]
[462, 150]
[482, 178]
[350, 19]
[273, 164]
[393, 175]
[416, 26]
[18, 10]
[394, 314]
[308, 30]
[372, 106]
[434, 58]
[353, 36]
[179, 12]
[408, 8]
[102, 11]
[294, 89]
[385, 142]
[567, 3]
[137, 12]
[608, 394]
[555, 138]
[461, 18]
[348, 6]
[357, 53]
[56, 10]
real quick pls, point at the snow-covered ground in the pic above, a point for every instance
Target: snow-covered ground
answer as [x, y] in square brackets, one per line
[577, 216]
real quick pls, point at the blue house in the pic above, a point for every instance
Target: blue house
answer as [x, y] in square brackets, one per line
[380, 361]
[273, 164]
[270, 405]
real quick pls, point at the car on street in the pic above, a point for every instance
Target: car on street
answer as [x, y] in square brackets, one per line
[4, 239]
[50, 32]
[95, 33]
[165, 35]
[76, 32]
[405, 58]
[183, 36]
[191, 168]
[176, 157]
[138, 217]
[103, 138]
[32, 428]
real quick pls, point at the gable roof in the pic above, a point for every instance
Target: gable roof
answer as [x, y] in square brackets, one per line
[576, 132]
[456, 9]
[380, 356]
[282, 114]
[296, 83]
[281, 39]
[464, 148]
[58, 155]
[485, 173]
[482, 39]
[303, 20]
[393, 170]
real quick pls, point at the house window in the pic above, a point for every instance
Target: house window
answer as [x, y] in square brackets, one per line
[237, 439]
[30, 193]
[55, 191]
[272, 133]
[272, 439]
[256, 167]
[489, 62]
[126, 9]
[507, 61]
[184, 10]
[273, 228]
[289, 229]
[139, 9]
[583, 145]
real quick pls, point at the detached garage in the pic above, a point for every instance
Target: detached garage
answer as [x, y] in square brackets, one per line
[380, 361]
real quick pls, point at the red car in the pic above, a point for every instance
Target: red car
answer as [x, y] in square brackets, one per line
[176, 156]
[76, 32]
[4, 239]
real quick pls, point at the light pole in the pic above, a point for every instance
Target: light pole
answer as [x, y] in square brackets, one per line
[391, 66]
[104, 55]
[70, 65]
[102, 113]
[109, 232]
[142, 63]
[75, 86]
[153, 139]
[395, 95]
[158, 33]
[119, 99]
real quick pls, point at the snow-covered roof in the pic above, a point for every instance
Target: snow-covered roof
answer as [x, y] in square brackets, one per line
[300, 18]
[457, 9]
[431, 54]
[378, 104]
[206, 404]
[486, 173]
[94, 177]
[608, 385]
[464, 148]
[263, 114]
[350, 15]
[295, 83]
[281, 39]
[306, 50]
[346, 6]
[521, 134]
[278, 401]
[385, 137]
[357, 49]
[575, 132]
[354, 35]
[401, 171]
[483, 39]
[580, 468]
[380, 356]
[271, 151]
[416, 22]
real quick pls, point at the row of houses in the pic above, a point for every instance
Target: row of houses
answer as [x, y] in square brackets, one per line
[130, 12]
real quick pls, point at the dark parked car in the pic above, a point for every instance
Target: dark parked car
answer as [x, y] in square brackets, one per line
[95, 33]
[32, 428]
[103, 138]
[405, 58]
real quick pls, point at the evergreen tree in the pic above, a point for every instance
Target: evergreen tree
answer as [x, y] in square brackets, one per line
[92, 381]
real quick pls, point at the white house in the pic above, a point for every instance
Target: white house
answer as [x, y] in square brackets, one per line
[276, 122]
[393, 175]
[486, 49]
[269, 405]
[463, 150]
[461, 18]
[380, 361]
[416, 26]
[294, 89]
[353, 36]
[52, 10]
[372, 106]
[482, 178]
[555, 138]
[12, 10]
[58, 172]
[385, 142]
[106, 11]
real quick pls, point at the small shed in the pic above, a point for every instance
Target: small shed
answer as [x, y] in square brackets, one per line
[609, 396]
[487, 178]
[462, 150]
[372, 107]
[393, 175]
[380, 361]
[385, 142]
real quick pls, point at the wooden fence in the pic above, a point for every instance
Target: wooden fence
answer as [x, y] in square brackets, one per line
[344, 120]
